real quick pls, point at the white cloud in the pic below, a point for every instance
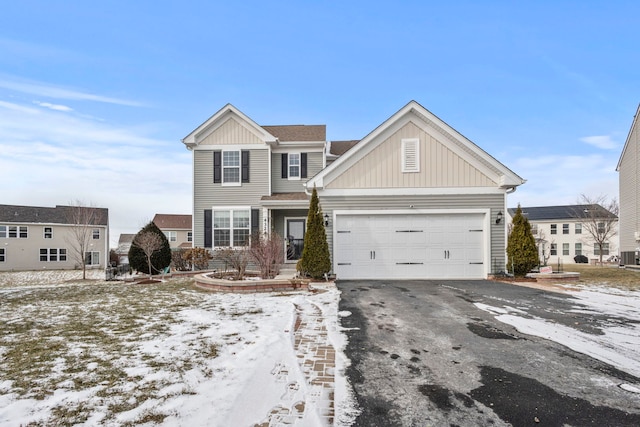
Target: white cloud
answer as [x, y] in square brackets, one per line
[58, 92]
[601, 141]
[51, 158]
[56, 107]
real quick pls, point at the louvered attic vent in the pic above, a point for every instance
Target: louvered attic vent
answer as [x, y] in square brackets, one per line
[411, 155]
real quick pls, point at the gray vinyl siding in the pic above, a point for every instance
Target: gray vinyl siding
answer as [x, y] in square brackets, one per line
[208, 194]
[629, 192]
[495, 202]
[284, 185]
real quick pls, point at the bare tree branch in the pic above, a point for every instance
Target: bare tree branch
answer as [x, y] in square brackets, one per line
[149, 243]
[599, 217]
[83, 220]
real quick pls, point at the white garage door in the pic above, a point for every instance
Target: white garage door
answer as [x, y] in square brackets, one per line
[412, 246]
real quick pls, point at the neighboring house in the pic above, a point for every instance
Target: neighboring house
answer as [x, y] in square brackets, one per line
[177, 228]
[562, 232]
[629, 175]
[36, 238]
[124, 244]
[413, 199]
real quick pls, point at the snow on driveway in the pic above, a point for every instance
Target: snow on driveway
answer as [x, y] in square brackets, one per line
[619, 343]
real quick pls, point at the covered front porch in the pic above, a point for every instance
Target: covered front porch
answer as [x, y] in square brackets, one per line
[286, 215]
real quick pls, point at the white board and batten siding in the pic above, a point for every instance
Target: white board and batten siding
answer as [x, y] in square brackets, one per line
[411, 244]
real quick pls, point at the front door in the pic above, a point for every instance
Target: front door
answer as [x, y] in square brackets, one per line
[295, 238]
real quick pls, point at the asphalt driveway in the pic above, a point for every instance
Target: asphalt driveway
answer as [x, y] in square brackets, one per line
[424, 354]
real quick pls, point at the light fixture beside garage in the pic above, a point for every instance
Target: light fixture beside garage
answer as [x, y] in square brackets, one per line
[326, 220]
[499, 217]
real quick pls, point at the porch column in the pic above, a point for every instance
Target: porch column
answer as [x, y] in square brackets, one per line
[266, 220]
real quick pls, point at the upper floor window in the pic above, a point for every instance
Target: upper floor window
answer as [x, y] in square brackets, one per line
[411, 155]
[534, 229]
[3, 231]
[578, 228]
[3, 254]
[14, 231]
[48, 232]
[294, 166]
[189, 236]
[230, 167]
[565, 228]
[95, 233]
[601, 228]
[554, 228]
[172, 236]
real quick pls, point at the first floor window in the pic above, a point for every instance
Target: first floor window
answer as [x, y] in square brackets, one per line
[3, 254]
[231, 228]
[48, 233]
[605, 249]
[565, 249]
[172, 236]
[554, 249]
[92, 258]
[578, 248]
[53, 254]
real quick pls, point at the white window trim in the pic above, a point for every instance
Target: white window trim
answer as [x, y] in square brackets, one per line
[44, 233]
[92, 257]
[222, 167]
[294, 178]
[171, 236]
[229, 209]
[410, 155]
[94, 232]
[3, 254]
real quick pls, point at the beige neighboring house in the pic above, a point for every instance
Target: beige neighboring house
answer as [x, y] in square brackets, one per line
[36, 238]
[561, 233]
[124, 244]
[414, 199]
[629, 176]
[177, 228]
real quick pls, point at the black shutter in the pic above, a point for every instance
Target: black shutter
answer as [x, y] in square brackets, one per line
[255, 221]
[217, 167]
[303, 165]
[245, 165]
[285, 165]
[208, 232]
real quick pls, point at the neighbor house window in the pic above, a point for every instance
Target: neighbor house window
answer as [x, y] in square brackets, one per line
[565, 249]
[411, 155]
[294, 165]
[578, 229]
[565, 228]
[189, 236]
[48, 233]
[231, 167]
[534, 229]
[554, 228]
[601, 228]
[578, 248]
[3, 231]
[172, 236]
[231, 228]
[96, 233]
[92, 258]
[3, 254]
[554, 249]
[605, 249]
[53, 254]
[15, 232]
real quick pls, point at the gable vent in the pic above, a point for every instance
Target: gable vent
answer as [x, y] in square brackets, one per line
[411, 155]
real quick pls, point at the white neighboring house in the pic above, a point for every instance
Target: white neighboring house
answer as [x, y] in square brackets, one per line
[561, 234]
[36, 238]
[124, 244]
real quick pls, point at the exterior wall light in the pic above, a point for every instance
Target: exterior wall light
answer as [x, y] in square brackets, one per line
[499, 217]
[326, 220]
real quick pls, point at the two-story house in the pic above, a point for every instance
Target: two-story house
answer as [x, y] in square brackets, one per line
[412, 199]
[35, 238]
[564, 232]
[177, 228]
[629, 176]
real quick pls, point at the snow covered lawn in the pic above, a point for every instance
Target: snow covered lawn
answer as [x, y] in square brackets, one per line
[108, 353]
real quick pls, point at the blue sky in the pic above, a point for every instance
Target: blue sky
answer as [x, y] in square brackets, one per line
[95, 97]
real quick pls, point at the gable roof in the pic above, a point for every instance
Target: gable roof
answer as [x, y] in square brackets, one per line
[634, 123]
[47, 215]
[289, 133]
[172, 221]
[338, 148]
[505, 177]
[547, 213]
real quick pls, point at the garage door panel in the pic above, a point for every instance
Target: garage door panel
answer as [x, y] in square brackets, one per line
[409, 246]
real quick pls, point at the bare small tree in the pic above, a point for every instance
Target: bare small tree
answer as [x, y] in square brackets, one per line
[83, 220]
[541, 241]
[267, 251]
[599, 220]
[149, 243]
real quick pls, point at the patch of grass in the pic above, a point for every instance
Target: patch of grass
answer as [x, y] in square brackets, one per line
[608, 275]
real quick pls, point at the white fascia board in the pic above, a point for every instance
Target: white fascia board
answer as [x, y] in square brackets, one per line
[306, 147]
[230, 147]
[284, 204]
[405, 191]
